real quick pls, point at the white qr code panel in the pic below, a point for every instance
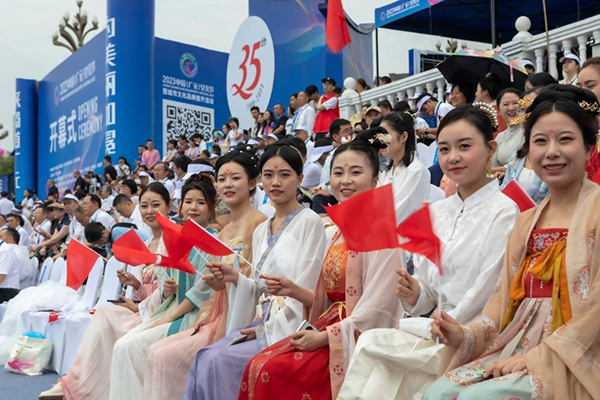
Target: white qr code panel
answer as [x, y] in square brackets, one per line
[186, 119]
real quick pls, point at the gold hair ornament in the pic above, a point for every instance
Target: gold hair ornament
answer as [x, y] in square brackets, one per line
[594, 107]
[383, 138]
[489, 111]
[297, 151]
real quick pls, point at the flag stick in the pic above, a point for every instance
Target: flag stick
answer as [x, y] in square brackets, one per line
[439, 301]
[355, 71]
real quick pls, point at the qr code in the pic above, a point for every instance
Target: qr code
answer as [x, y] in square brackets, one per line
[186, 119]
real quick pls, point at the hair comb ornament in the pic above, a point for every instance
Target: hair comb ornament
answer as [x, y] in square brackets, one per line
[525, 102]
[594, 107]
[489, 112]
[297, 151]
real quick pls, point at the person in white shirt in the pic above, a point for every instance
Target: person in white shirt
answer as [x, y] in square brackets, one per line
[313, 167]
[82, 221]
[92, 204]
[431, 107]
[22, 258]
[129, 212]
[107, 198]
[18, 210]
[5, 204]
[161, 174]
[571, 65]
[71, 203]
[236, 134]
[16, 222]
[42, 225]
[9, 267]
[305, 115]
[301, 132]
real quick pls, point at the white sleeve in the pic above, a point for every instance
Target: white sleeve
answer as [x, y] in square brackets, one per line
[378, 306]
[5, 261]
[331, 103]
[490, 268]
[310, 255]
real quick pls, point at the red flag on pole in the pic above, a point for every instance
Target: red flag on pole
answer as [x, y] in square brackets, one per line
[337, 35]
[131, 249]
[196, 235]
[80, 261]
[418, 229]
[519, 196]
[176, 248]
[368, 220]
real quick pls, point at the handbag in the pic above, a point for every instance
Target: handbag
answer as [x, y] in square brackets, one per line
[30, 354]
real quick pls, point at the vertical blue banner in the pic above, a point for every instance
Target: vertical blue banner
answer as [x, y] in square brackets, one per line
[129, 77]
[25, 136]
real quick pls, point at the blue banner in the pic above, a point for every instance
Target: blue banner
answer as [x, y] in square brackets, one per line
[71, 121]
[400, 9]
[190, 96]
[26, 99]
[129, 77]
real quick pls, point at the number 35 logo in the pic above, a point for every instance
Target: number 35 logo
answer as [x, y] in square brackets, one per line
[250, 69]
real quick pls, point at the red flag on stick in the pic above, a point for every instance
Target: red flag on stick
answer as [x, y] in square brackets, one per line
[176, 247]
[131, 249]
[337, 35]
[368, 220]
[519, 196]
[196, 235]
[418, 229]
[80, 261]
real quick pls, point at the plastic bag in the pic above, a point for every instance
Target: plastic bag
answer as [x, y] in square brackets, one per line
[30, 354]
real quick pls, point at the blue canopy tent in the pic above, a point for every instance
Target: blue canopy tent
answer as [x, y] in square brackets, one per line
[491, 21]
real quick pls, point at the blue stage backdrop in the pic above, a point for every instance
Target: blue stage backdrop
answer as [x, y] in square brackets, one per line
[190, 96]
[71, 118]
[25, 136]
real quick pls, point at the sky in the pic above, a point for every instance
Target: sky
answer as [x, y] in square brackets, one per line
[26, 27]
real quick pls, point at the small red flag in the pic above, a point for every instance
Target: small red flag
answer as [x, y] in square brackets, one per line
[176, 248]
[196, 235]
[418, 229]
[519, 196]
[131, 249]
[337, 35]
[80, 261]
[368, 220]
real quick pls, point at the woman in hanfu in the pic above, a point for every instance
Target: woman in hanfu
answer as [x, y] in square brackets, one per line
[168, 361]
[180, 308]
[538, 335]
[473, 225]
[88, 377]
[408, 176]
[291, 243]
[354, 294]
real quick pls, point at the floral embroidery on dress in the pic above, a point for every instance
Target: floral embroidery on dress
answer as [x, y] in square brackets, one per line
[264, 377]
[298, 355]
[591, 241]
[510, 376]
[333, 265]
[498, 283]
[466, 347]
[244, 387]
[536, 387]
[486, 322]
[522, 347]
[582, 283]
[466, 375]
[306, 396]
[338, 370]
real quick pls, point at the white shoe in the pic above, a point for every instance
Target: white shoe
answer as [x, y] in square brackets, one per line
[56, 393]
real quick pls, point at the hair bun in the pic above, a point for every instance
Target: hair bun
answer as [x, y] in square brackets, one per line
[377, 137]
[586, 99]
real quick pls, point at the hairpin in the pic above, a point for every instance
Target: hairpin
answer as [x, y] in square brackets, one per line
[383, 138]
[297, 151]
[489, 112]
[519, 119]
[525, 102]
[594, 108]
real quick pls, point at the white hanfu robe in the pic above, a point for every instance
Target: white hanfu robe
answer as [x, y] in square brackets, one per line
[396, 364]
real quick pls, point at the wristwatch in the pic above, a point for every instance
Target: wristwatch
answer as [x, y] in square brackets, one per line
[426, 132]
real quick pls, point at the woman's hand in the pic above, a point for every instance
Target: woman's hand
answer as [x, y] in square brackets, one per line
[250, 334]
[128, 304]
[506, 366]
[499, 175]
[408, 289]
[127, 279]
[169, 287]
[446, 329]
[213, 283]
[35, 248]
[278, 285]
[224, 272]
[309, 340]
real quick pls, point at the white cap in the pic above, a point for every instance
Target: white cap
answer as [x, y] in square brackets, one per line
[199, 168]
[70, 197]
[214, 156]
[525, 62]
[272, 136]
[143, 173]
[299, 128]
[319, 151]
[415, 96]
[422, 101]
[570, 56]
[252, 142]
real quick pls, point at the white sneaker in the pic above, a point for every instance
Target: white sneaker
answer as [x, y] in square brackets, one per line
[56, 393]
